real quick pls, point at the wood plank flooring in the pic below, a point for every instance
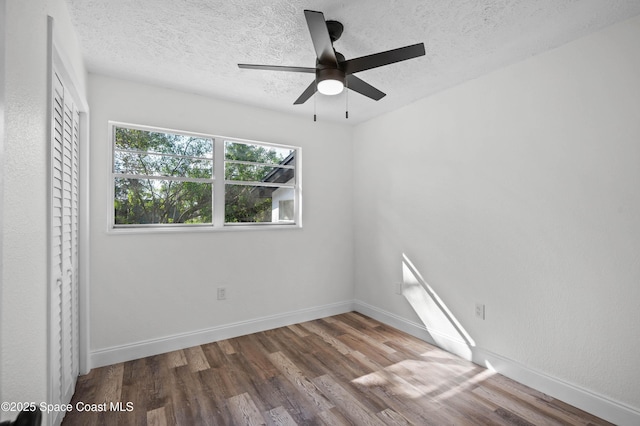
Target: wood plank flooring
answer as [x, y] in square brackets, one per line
[343, 370]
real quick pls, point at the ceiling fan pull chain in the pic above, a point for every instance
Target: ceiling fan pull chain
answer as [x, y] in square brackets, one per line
[314, 107]
[346, 112]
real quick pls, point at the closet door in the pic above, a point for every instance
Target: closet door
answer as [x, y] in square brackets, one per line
[64, 244]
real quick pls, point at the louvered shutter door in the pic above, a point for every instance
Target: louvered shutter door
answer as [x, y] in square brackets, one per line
[56, 238]
[64, 241]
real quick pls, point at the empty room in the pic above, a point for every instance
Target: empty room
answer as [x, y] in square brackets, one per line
[320, 212]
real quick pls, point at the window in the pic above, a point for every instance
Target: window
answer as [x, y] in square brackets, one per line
[257, 178]
[168, 179]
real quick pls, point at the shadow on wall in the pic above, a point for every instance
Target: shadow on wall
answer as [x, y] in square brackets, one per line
[442, 325]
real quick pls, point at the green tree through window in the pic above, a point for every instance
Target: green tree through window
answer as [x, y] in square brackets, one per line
[162, 178]
[166, 178]
[256, 164]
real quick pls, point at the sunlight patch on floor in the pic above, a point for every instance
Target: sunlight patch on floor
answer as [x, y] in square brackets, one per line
[467, 384]
[392, 382]
[407, 378]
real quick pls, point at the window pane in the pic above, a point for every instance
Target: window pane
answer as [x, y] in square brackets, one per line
[256, 173]
[156, 201]
[285, 210]
[255, 204]
[163, 143]
[258, 153]
[159, 165]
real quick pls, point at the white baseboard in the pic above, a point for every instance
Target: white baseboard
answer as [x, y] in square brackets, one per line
[128, 352]
[606, 408]
[598, 405]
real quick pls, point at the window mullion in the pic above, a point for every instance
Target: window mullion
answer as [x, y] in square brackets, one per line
[253, 163]
[173, 178]
[218, 182]
[161, 154]
[265, 184]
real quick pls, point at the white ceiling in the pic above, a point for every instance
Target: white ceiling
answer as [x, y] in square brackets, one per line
[195, 45]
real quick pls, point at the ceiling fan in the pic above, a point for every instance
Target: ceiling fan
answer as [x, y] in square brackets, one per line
[333, 72]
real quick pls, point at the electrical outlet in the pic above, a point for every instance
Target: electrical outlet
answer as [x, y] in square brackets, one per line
[480, 310]
[222, 293]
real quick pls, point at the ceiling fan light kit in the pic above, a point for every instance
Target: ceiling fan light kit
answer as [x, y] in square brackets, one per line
[333, 72]
[330, 81]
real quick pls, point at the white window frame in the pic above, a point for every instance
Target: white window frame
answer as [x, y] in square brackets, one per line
[218, 186]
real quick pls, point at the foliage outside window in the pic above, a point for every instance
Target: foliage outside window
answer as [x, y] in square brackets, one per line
[256, 178]
[170, 179]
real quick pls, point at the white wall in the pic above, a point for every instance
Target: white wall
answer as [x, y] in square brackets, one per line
[23, 314]
[519, 190]
[2, 136]
[154, 286]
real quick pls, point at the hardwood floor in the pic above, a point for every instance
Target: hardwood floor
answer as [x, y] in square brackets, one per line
[346, 369]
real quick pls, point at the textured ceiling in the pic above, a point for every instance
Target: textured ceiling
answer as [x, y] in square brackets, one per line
[195, 45]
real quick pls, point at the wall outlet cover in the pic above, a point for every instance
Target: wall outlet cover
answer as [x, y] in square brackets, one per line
[222, 293]
[480, 310]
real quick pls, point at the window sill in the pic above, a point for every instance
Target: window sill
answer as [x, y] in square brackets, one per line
[189, 229]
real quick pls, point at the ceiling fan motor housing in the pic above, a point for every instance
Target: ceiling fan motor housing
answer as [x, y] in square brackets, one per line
[335, 29]
[330, 74]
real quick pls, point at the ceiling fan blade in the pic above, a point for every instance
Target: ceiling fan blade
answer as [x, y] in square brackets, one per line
[383, 58]
[277, 68]
[308, 92]
[364, 88]
[320, 37]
